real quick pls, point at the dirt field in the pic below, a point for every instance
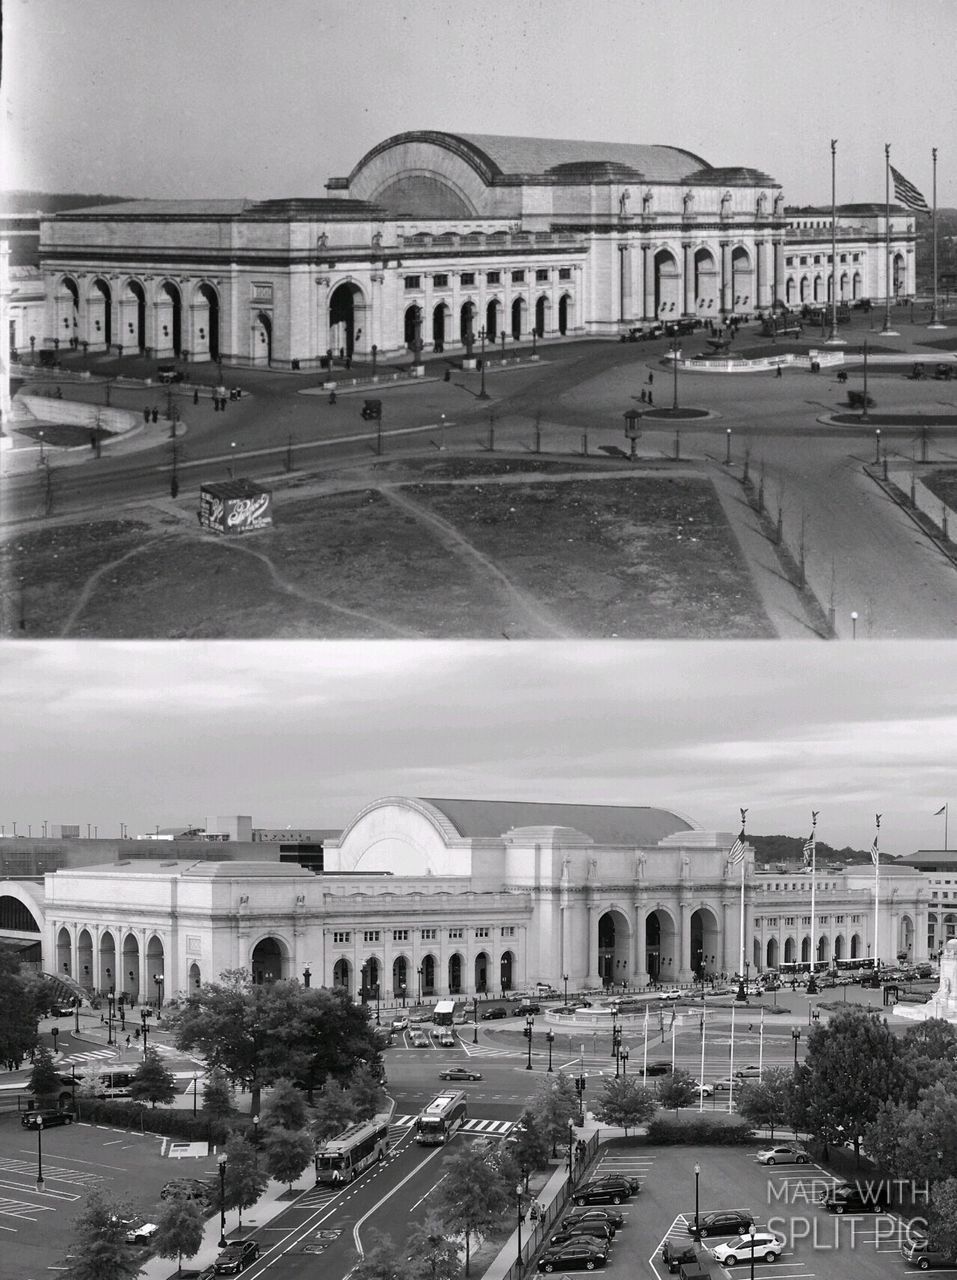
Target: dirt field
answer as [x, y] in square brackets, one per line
[450, 548]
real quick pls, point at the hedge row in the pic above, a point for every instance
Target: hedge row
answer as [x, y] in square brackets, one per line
[666, 1130]
[163, 1120]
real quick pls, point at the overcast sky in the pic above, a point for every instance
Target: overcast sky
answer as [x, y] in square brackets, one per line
[269, 98]
[305, 734]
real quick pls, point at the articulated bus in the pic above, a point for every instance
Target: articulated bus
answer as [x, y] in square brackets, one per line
[344, 1157]
[442, 1013]
[112, 1082]
[438, 1121]
[845, 966]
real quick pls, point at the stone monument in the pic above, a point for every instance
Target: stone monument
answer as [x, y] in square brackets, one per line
[943, 1003]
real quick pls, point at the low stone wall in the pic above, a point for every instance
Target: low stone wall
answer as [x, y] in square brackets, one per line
[79, 413]
[787, 360]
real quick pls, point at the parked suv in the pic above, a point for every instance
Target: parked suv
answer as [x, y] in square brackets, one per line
[722, 1222]
[497, 1011]
[236, 1257]
[31, 1119]
[854, 1197]
[677, 1253]
[588, 1228]
[606, 1190]
[920, 1255]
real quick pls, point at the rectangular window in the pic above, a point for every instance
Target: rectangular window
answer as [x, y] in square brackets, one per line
[789, 922]
[493, 277]
[789, 262]
[855, 919]
[843, 257]
[341, 936]
[805, 919]
[468, 277]
[508, 931]
[370, 935]
[772, 922]
[838, 919]
[413, 282]
[456, 934]
[855, 257]
[482, 933]
[564, 273]
[400, 935]
[440, 281]
[817, 259]
[804, 262]
[541, 273]
[518, 277]
[428, 935]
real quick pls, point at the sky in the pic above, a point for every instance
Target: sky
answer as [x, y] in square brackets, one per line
[306, 734]
[244, 98]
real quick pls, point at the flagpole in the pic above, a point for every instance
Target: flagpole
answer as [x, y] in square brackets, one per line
[704, 1023]
[887, 330]
[935, 321]
[877, 890]
[761, 1046]
[731, 1063]
[644, 1064]
[833, 336]
[812, 981]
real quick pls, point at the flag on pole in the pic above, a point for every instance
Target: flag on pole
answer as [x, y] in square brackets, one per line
[672, 1015]
[808, 850]
[907, 193]
[736, 852]
[942, 809]
[875, 854]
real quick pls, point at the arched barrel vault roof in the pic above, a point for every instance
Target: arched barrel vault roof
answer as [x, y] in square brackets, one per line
[627, 825]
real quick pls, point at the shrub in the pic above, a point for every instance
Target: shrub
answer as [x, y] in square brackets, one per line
[171, 1123]
[701, 1129]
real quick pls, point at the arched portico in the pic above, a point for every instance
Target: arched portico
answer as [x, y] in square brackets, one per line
[155, 969]
[347, 303]
[519, 317]
[260, 338]
[99, 313]
[706, 282]
[64, 952]
[493, 312]
[269, 960]
[109, 969]
[428, 975]
[742, 280]
[543, 316]
[566, 308]
[667, 284]
[400, 978]
[342, 974]
[129, 983]
[67, 311]
[905, 936]
[455, 974]
[483, 967]
[169, 318]
[705, 947]
[506, 971]
[205, 338]
[661, 937]
[195, 977]
[467, 323]
[772, 952]
[614, 948]
[84, 959]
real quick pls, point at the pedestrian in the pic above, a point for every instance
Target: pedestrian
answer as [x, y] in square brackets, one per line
[777, 372]
[146, 414]
[59, 393]
[651, 378]
[155, 414]
[195, 395]
[644, 395]
[127, 1042]
[93, 440]
[215, 404]
[332, 397]
[650, 401]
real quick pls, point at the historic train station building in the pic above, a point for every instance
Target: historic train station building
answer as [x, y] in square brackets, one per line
[440, 241]
[432, 897]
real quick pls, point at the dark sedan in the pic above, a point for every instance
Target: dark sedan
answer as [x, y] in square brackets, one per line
[498, 1012]
[236, 1257]
[613, 1217]
[586, 1254]
[591, 1230]
[46, 1119]
[460, 1073]
[723, 1222]
[607, 1192]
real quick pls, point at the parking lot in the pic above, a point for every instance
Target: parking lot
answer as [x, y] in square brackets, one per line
[819, 1245]
[35, 1226]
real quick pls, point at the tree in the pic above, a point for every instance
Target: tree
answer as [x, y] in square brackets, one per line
[678, 1090]
[285, 1108]
[367, 1093]
[98, 1249]
[853, 1064]
[334, 1111]
[89, 1081]
[18, 1008]
[625, 1102]
[432, 1257]
[152, 1081]
[44, 1080]
[555, 1106]
[920, 1142]
[218, 1099]
[246, 1180]
[884, 1136]
[287, 1152]
[942, 1224]
[528, 1144]
[930, 1055]
[179, 1229]
[382, 1261]
[767, 1102]
[471, 1198]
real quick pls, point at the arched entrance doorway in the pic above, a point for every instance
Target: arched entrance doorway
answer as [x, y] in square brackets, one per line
[519, 312]
[67, 311]
[704, 942]
[613, 948]
[857, 949]
[805, 950]
[823, 948]
[440, 322]
[344, 302]
[667, 283]
[136, 320]
[400, 978]
[564, 314]
[543, 308]
[261, 338]
[660, 937]
[342, 975]
[206, 335]
[99, 305]
[170, 318]
[899, 275]
[130, 977]
[64, 952]
[268, 961]
[84, 959]
[771, 954]
[455, 974]
[481, 972]
[492, 320]
[742, 292]
[370, 975]
[428, 975]
[467, 323]
[506, 970]
[155, 969]
[107, 963]
[905, 939]
[705, 281]
[790, 951]
[856, 285]
[195, 979]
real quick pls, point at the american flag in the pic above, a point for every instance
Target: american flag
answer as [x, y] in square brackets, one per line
[907, 193]
[875, 855]
[736, 852]
[809, 850]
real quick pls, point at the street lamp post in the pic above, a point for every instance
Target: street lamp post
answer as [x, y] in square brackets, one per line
[617, 1053]
[518, 1206]
[565, 980]
[624, 1061]
[483, 394]
[697, 1175]
[751, 1231]
[796, 1036]
[550, 1037]
[39, 1153]
[571, 1151]
[306, 976]
[854, 624]
[529, 1023]
[144, 1018]
[221, 1161]
[195, 1082]
[475, 1020]
[419, 972]
[76, 1014]
[158, 979]
[674, 366]
[377, 1022]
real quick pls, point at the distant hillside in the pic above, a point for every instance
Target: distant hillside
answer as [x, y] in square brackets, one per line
[50, 201]
[790, 849]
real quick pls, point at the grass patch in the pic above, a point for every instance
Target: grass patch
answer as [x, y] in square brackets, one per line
[943, 485]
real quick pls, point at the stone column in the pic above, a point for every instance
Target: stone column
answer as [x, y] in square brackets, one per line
[684, 943]
[648, 281]
[727, 296]
[592, 976]
[777, 291]
[627, 289]
[428, 302]
[723, 953]
[687, 266]
[639, 964]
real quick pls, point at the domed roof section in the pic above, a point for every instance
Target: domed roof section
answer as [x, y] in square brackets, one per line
[606, 824]
[732, 176]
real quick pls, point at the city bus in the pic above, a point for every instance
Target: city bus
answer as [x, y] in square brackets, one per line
[344, 1157]
[437, 1122]
[112, 1082]
[852, 966]
[442, 1013]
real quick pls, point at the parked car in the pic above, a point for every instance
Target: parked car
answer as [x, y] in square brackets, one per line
[679, 1253]
[609, 1191]
[188, 1189]
[588, 1254]
[527, 1006]
[748, 1073]
[590, 1229]
[497, 1012]
[400, 1024]
[60, 1010]
[722, 1222]
[418, 1040]
[32, 1119]
[460, 1073]
[614, 1219]
[921, 1255]
[765, 1245]
[674, 993]
[703, 1090]
[142, 1234]
[659, 1068]
[853, 1197]
[446, 1039]
[418, 1019]
[784, 1153]
[236, 1257]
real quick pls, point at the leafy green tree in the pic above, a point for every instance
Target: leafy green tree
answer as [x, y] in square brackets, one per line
[368, 1096]
[246, 1179]
[334, 1110]
[625, 1102]
[678, 1090]
[471, 1198]
[89, 1081]
[930, 1055]
[18, 1008]
[151, 1081]
[919, 1142]
[285, 1107]
[852, 1065]
[432, 1257]
[219, 1101]
[529, 1145]
[44, 1081]
[942, 1219]
[383, 1260]
[287, 1152]
[98, 1249]
[884, 1137]
[767, 1102]
[179, 1230]
[555, 1105]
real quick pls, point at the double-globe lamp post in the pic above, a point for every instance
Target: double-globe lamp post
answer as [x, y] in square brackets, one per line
[518, 1206]
[550, 1037]
[39, 1153]
[529, 1023]
[475, 1020]
[565, 980]
[697, 1175]
[221, 1161]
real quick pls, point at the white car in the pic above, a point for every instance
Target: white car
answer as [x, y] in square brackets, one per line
[767, 1246]
[704, 1090]
[143, 1234]
[400, 1024]
[785, 1153]
[674, 994]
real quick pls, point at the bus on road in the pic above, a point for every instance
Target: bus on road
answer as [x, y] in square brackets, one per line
[111, 1082]
[343, 1158]
[438, 1121]
[442, 1013]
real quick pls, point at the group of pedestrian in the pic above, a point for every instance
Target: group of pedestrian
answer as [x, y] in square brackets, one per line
[150, 414]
